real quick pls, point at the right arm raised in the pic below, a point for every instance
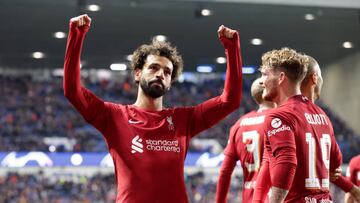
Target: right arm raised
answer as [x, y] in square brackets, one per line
[82, 99]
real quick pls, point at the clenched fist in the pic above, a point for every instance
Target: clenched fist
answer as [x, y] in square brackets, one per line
[83, 20]
[226, 32]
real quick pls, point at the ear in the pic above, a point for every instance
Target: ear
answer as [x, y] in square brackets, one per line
[315, 78]
[137, 74]
[281, 78]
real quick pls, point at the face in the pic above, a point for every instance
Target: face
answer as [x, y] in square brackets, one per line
[269, 80]
[155, 76]
[319, 82]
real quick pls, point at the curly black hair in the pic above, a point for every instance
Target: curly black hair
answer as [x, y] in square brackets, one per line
[161, 49]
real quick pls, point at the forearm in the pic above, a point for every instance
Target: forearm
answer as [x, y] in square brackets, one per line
[348, 198]
[277, 195]
[82, 99]
[223, 185]
[343, 183]
[285, 162]
[71, 84]
[233, 82]
[355, 193]
[263, 183]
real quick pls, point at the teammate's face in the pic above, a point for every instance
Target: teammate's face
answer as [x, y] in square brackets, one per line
[318, 87]
[269, 79]
[319, 82]
[155, 76]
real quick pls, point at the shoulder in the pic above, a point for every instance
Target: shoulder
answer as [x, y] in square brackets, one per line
[115, 107]
[181, 111]
[282, 112]
[234, 128]
[355, 161]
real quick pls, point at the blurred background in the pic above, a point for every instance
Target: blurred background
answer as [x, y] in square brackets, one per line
[48, 153]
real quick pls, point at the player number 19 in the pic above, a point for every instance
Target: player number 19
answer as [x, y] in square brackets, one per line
[325, 143]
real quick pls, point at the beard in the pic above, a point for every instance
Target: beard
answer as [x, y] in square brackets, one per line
[269, 95]
[153, 89]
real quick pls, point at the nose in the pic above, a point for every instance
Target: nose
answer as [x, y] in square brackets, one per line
[160, 74]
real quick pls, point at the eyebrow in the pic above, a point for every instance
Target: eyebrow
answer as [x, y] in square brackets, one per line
[157, 64]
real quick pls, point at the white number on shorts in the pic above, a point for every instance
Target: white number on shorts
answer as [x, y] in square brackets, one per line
[253, 148]
[325, 143]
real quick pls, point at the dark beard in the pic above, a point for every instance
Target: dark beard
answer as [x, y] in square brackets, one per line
[152, 91]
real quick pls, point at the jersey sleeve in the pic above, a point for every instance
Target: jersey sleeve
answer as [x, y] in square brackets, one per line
[230, 149]
[281, 137]
[227, 166]
[263, 181]
[344, 184]
[351, 172]
[210, 112]
[279, 133]
[336, 162]
[223, 185]
[335, 154]
[88, 104]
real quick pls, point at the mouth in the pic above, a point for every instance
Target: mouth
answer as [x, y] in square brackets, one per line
[157, 83]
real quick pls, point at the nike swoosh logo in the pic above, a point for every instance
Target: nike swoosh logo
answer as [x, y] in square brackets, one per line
[134, 121]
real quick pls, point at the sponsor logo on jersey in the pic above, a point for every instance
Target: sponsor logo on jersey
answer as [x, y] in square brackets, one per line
[316, 119]
[304, 98]
[163, 145]
[136, 145]
[132, 121]
[276, 123]
[252, 120]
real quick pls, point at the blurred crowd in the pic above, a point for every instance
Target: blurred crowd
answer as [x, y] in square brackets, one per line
[32, 110]
[29, 188]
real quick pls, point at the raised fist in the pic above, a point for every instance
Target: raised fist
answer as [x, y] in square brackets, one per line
[83, 20]
[226, 32]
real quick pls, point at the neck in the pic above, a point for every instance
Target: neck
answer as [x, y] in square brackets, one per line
[309, 94]
[145, 102]
[286, 93]
[266, 105]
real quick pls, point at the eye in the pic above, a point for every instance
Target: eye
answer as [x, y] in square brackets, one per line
[153, 67]
[167, 72]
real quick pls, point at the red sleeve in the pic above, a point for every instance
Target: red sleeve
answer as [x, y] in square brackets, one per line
[223, 185]
[82, 99]
[263, 181]
[344, 184]
[281, 137]
[230, 149]
[351, 171]
[212, 111]
[336, 155]
[285, 162]
[227, 166]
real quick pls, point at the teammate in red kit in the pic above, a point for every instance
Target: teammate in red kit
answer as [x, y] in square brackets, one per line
[245, 144]
[148, 142]
[311, 88]
[299, 136]
[353, 173]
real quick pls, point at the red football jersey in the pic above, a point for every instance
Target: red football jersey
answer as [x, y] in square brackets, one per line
[246, 143]
[353, 170]
[302, 128]
[149, 147]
